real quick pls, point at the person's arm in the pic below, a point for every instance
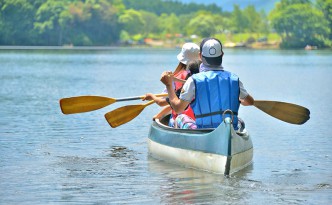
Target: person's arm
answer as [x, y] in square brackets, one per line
[179, 80]
[177, 104]
[244, 97]
[166, 109]
[159, 100]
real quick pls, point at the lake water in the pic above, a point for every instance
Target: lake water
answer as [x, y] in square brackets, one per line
[51, 158]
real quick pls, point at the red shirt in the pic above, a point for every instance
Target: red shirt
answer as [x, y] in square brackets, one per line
[183, 76]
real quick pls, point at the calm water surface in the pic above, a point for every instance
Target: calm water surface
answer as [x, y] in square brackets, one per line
[51, 158]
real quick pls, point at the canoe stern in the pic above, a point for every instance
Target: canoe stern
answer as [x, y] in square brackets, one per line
[219, 150]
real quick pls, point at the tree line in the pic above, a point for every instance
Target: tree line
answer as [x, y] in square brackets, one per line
[114, 22]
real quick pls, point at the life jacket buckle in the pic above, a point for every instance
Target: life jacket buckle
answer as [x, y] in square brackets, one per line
[230, 112]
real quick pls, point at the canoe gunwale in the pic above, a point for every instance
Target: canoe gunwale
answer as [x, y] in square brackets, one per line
[243, 135]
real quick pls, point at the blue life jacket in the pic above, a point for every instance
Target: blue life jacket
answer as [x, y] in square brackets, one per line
[216, 91]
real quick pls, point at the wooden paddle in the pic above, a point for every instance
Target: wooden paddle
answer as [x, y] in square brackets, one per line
[125, 114]
[287, 112]
[81, 104]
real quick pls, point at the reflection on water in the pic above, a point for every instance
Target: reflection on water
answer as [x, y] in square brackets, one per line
[183, 185]
[51, 158]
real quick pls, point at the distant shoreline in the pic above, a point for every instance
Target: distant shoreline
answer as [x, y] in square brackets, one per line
[108, 47]
[226, 46]
[59, 47]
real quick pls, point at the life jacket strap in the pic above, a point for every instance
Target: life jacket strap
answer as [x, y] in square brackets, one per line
[213, 113]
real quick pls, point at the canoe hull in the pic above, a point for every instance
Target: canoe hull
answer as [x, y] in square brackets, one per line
[219, 150]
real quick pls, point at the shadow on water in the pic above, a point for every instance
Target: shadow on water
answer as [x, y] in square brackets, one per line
[121, 152]
[106, 165]
[106, 176]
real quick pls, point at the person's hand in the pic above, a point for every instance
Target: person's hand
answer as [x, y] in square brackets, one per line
[149, 96]
[167, 78]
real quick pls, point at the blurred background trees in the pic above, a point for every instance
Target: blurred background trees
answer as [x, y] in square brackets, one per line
[299, 23]
[121, 22]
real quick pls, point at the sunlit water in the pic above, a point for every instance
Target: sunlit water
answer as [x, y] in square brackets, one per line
[51, 158]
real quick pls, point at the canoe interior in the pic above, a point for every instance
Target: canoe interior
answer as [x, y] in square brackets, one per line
[163, 123]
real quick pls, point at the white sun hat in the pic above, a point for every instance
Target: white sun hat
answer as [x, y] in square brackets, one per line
[189, 52]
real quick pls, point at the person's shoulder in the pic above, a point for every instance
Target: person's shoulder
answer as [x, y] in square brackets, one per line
[189, 82]
[231, 73]
[196, 75]
[190, 79]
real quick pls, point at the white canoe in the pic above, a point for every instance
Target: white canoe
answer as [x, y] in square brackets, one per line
[221, 150]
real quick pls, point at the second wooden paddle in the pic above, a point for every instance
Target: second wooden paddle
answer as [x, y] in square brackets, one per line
[125, 114]
[82, 104]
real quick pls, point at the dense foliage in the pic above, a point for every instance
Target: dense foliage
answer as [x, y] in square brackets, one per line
[159, 7]
[112, 22]
[300, 23]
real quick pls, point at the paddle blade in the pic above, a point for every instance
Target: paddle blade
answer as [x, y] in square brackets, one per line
[84, 104]
[287, 112]
[123, 115]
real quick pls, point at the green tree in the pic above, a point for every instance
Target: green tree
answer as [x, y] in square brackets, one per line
[16, 22]
[132, 21]
[221, 23]
[150, 23]
[168, 7]
[264, 27]
[169, 23]
[299, 24]
[124, 37]
[203, 24]
[326, 7]
[93, 22]
[253, 19]
[239, 20]
[47, 21]
[184, 20]
[103, 27]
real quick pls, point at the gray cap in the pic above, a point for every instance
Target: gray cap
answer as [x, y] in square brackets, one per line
[211, 50]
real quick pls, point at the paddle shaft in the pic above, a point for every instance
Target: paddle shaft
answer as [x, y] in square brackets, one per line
[138, 97]
[148, 103]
